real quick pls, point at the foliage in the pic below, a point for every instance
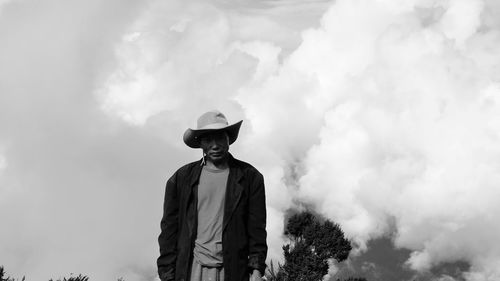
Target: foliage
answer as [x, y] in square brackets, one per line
[80, 277]
[297, 224]
[313, 243]
[272, 272]
[72, 278]
[3, 278]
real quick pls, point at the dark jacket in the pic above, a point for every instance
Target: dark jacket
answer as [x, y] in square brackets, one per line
[244, 223]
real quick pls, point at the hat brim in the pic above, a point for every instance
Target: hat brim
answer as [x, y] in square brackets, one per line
[192, 137]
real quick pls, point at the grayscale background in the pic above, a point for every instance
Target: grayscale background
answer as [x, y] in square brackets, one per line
[382, 115]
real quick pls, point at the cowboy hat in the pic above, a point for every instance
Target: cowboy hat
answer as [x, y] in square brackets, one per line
[208, 122]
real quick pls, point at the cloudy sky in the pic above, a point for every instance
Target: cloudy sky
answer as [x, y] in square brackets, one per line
[382, 115]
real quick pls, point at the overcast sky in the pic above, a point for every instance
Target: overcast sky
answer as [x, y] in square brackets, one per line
[382, 115]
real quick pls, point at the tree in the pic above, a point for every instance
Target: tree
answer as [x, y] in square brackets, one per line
[313, 243]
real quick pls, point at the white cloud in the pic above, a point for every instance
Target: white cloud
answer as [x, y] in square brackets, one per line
[4, 3]
[461, 19]
[3, 162]
[408, 135]
[82, 190]
[384, 112]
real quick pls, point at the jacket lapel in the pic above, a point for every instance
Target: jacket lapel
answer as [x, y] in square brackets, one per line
[234, 191]
[192, 197]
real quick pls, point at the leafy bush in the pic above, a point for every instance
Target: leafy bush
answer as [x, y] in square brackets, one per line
[314, 241]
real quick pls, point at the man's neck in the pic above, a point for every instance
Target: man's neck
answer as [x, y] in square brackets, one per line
[222, 165]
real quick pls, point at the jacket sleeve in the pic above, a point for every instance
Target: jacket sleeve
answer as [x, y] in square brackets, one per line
[169, 229]
[257, 225]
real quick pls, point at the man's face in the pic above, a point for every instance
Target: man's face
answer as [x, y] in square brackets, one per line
[215, 145]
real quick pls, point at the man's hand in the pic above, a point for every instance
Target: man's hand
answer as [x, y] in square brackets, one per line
[167, 275]
[256, 276]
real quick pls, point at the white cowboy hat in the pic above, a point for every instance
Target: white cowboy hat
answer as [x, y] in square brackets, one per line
[211, 121]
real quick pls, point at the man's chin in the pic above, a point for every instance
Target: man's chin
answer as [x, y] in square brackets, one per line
[216, 159]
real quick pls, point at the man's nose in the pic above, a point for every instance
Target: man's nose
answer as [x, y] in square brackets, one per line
[213, 143]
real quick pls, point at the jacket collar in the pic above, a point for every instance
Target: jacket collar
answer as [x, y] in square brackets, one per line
[195, 173]
[233, 169]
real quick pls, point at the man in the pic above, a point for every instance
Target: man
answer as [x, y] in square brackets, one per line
[214, 216]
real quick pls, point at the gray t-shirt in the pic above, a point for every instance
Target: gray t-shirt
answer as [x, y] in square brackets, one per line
[211, 196]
